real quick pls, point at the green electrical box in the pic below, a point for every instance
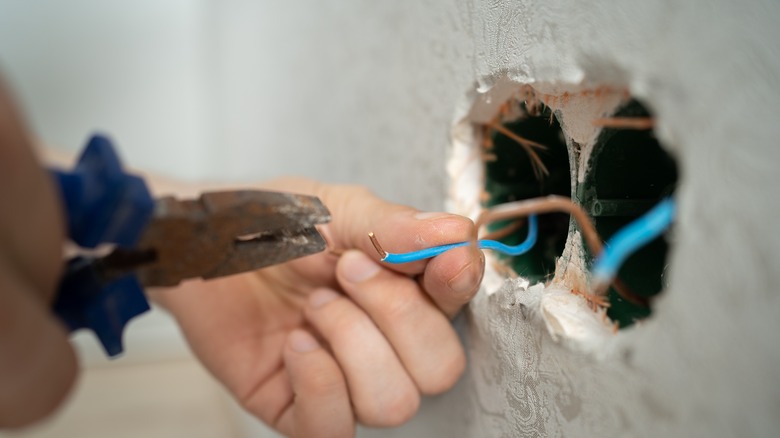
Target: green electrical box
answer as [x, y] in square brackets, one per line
[628, 173]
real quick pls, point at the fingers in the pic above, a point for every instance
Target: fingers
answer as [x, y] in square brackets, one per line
[399, 229]
[37, 364]
[356, 212]
[381, 391]
[321, 406]
[389, 340]
[450, 279]
[421, 335]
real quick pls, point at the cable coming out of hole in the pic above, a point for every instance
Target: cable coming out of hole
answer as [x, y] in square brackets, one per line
[617, 252]
[407, 257]
[629, 239]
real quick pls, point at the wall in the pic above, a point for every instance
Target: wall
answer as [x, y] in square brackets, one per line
[706, 363]
[336, 90]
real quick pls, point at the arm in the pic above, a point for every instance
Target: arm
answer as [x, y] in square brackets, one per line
[310, 347]
[37, 364]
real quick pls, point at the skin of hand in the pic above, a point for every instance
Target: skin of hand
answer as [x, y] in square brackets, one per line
[311, 346]
[316, 345]
[37, 364]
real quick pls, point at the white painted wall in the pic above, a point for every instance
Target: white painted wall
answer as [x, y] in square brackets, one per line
[366, 92]
[138, 71]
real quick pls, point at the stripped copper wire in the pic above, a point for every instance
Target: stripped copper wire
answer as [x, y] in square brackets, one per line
[638, 123]
[549, 204]
[374, 241]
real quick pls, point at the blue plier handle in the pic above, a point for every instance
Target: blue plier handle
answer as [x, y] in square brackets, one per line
[103, 205]
[161, 242]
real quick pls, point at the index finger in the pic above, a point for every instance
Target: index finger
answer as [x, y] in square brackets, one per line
[451, 279]
[356, 212]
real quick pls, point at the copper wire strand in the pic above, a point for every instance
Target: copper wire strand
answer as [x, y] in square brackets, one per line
[505, 231]
[549, 204]
[536, 162]
[639, 123]
[552, 204]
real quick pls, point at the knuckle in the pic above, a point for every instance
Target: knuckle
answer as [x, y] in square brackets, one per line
[353, 192]
[399, 307]
[390, 410]
[323, 382]
[346, 323]
[444, 375]
[359, 190]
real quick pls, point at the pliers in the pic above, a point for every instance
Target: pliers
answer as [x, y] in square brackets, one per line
[128, 241]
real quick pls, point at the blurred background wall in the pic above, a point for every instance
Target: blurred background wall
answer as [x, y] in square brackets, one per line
[240, 90]
[342, 91]
[365, 92]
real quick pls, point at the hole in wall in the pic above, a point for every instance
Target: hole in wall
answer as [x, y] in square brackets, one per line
[628, 173]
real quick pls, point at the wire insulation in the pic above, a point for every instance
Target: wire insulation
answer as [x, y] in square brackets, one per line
[525, 246]
[631, 238]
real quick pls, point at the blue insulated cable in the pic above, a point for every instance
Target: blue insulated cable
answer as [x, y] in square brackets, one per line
[631, 238]
[527, 244]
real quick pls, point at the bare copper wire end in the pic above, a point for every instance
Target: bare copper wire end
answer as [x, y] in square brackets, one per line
[640, 123]
[382, 253]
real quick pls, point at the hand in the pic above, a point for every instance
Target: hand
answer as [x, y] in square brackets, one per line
[37, 364]
[316, 344]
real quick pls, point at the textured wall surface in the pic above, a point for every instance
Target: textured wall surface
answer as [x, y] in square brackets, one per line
[706, 363]
[368, 92]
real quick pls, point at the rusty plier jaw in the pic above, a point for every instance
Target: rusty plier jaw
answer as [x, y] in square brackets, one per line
[225, 233]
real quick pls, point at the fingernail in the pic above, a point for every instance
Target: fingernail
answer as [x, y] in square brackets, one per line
[422, 215]
[302, 342]
[357, 267]
[466, 280]
[322, 297]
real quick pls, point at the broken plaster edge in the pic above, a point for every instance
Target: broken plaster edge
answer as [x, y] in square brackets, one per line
[567, 317]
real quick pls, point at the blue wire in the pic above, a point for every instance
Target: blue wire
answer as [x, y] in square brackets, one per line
[528, 243]
[632, 237]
